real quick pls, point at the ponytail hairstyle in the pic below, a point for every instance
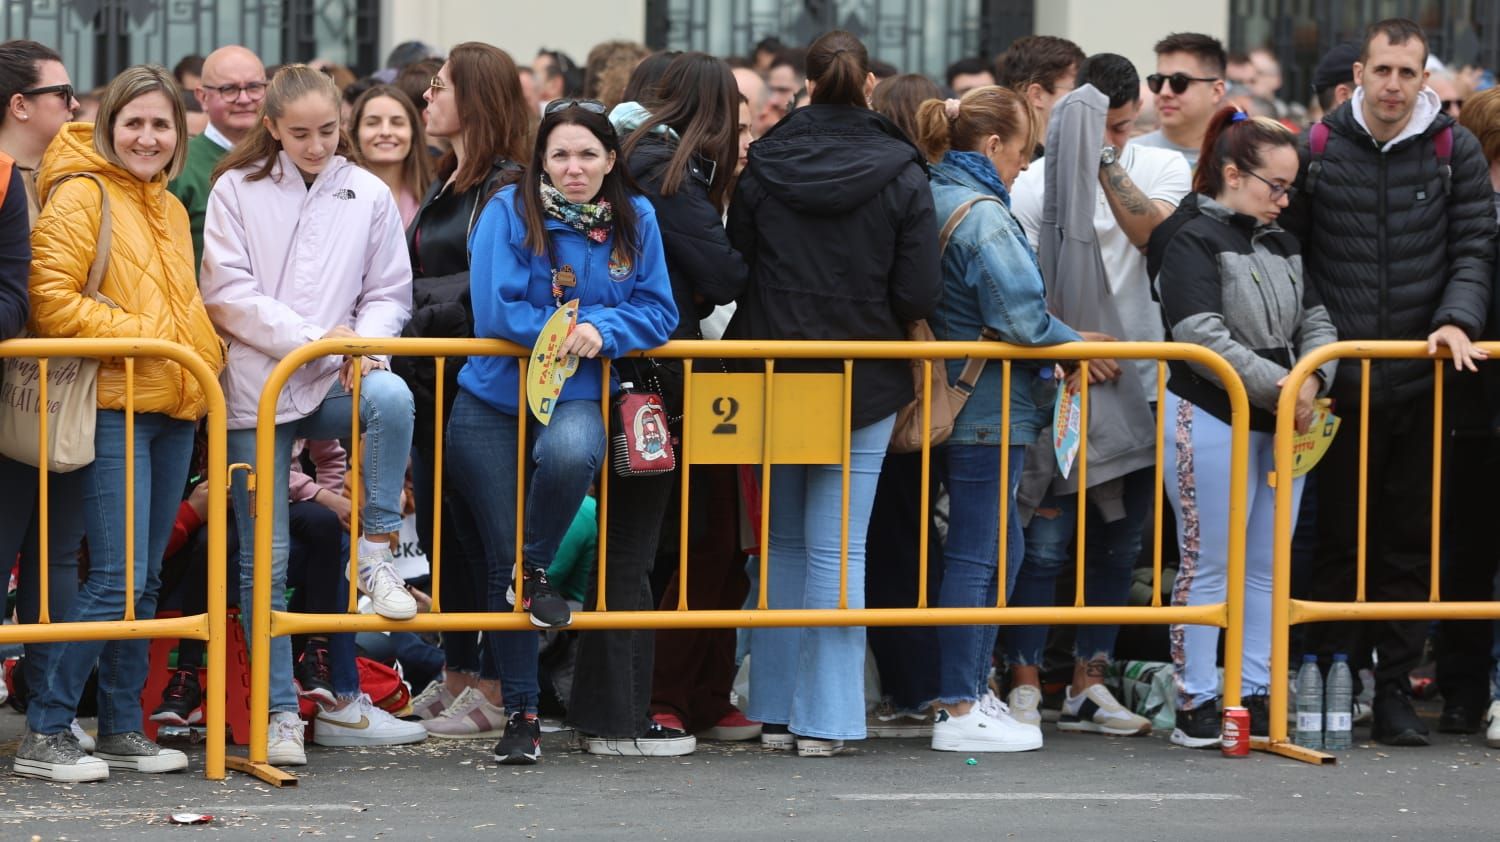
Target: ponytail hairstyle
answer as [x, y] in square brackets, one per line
[838, 65]
[259, 148]
[963, 124]
[1234, 137]
[699, 100]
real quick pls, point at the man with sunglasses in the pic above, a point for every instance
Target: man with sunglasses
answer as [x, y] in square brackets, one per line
[230, 90]
[1189, 85]
[1397, 226]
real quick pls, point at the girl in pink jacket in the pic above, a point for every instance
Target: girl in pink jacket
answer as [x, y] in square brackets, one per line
[300, 244]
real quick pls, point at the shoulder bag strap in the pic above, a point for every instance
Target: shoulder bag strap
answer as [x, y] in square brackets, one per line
[106, 232]
[972, 367]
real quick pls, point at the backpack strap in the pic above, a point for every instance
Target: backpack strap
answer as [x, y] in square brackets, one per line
[1317, 143]
[1442, 146]
[969, 377]
[7, 166]
[106, 231]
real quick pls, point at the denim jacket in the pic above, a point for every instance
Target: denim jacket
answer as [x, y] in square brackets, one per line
[991, 278]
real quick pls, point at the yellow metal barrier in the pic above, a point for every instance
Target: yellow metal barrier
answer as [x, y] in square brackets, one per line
[1286, 611]
[209, 626]
[755, 401]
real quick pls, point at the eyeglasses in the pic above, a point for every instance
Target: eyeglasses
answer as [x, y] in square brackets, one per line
[1277, 190]
[252, 91]
[1450, 104]
[437, 84]
[1179, 81]
[592, 106]
[64, 91]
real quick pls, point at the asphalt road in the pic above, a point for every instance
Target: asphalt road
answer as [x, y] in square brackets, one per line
[1077, 787]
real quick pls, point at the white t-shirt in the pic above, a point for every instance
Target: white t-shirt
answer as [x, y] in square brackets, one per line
[1159, 173]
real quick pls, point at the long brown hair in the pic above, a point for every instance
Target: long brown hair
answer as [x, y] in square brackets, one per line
[496, 120]
[617, 188]
[701, 102]
[899, 97]
[259, 148]
[416, 170]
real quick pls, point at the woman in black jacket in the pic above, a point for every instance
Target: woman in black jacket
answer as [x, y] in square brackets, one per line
[835, 218]
[475, 102]
[680, 148]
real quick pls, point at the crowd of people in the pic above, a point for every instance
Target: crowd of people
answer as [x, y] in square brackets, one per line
[1043, 198]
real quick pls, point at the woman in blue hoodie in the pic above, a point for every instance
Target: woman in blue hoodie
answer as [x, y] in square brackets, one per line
[571, 230]
[992, 286]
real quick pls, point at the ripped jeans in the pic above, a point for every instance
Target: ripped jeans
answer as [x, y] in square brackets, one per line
[1112, 552]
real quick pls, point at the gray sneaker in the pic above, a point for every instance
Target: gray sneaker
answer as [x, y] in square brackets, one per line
[57, 757]
[133, 752]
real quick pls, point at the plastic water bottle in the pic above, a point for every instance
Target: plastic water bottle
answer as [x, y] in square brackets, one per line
[1309, 704]
[1338, 718]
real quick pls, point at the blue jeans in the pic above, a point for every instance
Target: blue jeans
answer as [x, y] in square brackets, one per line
[1109, 562]
[19, 525]
[385, 416]
[970, 560]
[163, 452]
[813, 679]
[481, 460]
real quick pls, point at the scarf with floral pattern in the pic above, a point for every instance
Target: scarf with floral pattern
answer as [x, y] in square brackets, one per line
[591, 219]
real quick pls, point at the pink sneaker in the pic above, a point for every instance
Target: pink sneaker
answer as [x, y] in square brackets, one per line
[733, 726]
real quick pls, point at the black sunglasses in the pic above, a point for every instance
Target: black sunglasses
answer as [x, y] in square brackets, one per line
[591, 105]
[64, 91]
[1179, 81]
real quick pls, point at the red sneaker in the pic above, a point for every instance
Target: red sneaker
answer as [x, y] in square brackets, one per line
[733, 726]
[668, 721]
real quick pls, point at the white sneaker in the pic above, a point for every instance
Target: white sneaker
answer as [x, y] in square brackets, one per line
[656, 742]
[1492, 725]
[1097, 711]
[1026, 705]
[990, 705]
[471, 716]
[284, 740]
[387, 592]
[979, 731]
[815, 747]
[361, 723]
[433, 701]
[84, 739]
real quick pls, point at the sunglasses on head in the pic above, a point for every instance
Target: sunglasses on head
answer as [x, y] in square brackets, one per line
[593, 106]
[1178, 81]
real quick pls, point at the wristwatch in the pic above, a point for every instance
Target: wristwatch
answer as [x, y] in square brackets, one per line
[1108, 155]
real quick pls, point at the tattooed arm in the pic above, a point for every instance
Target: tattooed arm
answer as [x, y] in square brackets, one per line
[1137, 213]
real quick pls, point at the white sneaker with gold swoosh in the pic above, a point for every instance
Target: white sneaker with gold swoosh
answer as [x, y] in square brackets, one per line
[361, 723]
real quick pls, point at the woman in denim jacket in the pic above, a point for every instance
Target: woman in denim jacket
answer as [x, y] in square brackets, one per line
[978, 145]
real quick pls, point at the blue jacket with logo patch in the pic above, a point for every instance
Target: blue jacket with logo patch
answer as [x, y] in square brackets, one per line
[511, 289]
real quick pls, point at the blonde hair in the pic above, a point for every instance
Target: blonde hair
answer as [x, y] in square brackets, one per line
[984, 111]
[1481, 115]
[259, 146]
[133, 83]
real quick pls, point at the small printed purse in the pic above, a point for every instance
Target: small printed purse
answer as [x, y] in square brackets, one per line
[641, 445]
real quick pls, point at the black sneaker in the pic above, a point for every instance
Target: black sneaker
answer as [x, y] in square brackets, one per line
[1461, 718]
[1259, 705]
[522, 743]
[1199, 727]
[315, 676]
[181, 703]
[548, 610]
[1396, 723]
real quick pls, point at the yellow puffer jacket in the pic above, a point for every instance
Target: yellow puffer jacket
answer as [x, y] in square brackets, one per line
[149, 276]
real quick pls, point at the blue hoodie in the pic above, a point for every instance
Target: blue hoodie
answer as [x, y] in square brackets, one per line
[511, 287]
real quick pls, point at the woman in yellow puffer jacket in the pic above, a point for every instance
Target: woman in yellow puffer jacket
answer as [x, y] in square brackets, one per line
[148, 291]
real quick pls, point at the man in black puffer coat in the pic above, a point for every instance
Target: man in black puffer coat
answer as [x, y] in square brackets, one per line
[1398, 237]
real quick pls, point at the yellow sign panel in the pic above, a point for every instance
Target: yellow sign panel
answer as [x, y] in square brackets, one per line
[726, 421]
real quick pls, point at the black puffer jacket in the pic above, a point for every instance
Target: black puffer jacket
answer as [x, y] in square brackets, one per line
[1395, 247]
[834, 216]
[438, 240]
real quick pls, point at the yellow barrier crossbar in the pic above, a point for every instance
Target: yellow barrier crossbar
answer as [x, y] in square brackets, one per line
[1229, 614]
[209, 626]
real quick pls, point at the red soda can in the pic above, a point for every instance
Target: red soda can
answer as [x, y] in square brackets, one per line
[1235, 735]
